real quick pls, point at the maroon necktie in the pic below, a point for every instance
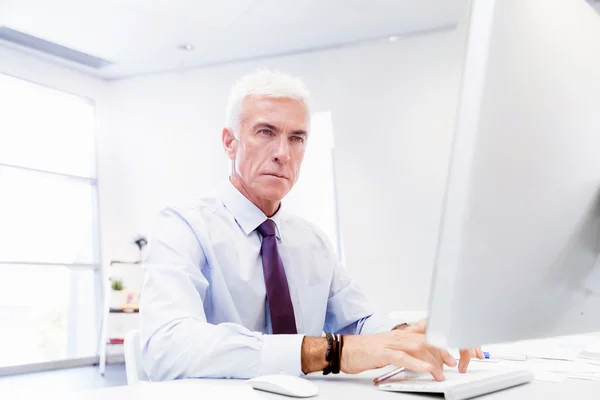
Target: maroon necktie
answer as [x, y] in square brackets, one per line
[278, 291]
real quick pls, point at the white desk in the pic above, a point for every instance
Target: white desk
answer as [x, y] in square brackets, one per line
[346, 387]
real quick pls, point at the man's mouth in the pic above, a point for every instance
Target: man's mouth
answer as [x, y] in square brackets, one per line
[276, 175]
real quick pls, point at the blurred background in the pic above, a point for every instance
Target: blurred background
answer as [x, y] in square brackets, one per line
[113, 109]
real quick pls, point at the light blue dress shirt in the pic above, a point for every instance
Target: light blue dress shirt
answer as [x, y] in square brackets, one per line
[203, 306]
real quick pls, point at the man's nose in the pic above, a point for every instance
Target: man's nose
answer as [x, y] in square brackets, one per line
[282, 152]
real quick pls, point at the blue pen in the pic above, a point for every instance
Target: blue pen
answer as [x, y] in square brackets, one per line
[508, 357]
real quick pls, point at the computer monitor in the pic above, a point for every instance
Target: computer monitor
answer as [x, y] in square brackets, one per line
[519, 241]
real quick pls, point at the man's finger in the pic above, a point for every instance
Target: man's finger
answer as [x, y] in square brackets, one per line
[418, 348]
[479, 353]
[437, 356]
[411, 363]
[449, 360]
[463, 363]
[432, 356]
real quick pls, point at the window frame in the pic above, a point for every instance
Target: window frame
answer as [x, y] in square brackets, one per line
[96, 266]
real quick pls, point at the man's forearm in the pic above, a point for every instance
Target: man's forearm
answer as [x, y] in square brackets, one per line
[194, 349]
[313, 354]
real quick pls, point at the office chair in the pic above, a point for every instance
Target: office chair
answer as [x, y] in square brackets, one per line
[133, 365]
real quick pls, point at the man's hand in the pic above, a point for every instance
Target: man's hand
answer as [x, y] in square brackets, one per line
[405, 347]
[465, 354]
[400, 347]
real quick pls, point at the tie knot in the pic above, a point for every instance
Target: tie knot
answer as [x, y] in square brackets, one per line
[267, 228]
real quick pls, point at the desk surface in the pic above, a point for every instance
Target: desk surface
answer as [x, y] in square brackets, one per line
[330, 387]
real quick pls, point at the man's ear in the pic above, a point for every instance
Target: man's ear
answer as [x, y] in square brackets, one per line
[230, 143]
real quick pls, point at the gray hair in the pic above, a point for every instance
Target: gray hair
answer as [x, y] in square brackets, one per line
[264, 83]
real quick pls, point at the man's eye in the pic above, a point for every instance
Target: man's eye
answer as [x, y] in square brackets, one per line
[298, 139]
[267, 132]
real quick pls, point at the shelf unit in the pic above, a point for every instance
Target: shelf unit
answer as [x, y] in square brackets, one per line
[121, 319]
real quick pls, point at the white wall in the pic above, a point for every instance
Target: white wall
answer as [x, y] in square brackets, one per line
[392, 105]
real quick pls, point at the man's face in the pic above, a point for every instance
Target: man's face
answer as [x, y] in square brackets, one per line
[271, 144]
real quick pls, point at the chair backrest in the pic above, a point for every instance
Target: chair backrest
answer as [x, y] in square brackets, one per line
[133, 365]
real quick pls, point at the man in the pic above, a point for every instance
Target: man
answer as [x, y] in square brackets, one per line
[236, 287]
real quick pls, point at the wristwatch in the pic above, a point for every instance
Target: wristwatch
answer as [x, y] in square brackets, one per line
[401, 326]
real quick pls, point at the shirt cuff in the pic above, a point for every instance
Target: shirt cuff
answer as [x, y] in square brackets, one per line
[379, 323]
[281, 354]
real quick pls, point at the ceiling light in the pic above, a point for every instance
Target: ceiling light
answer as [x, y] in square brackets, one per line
[186, 47]
[393, 38]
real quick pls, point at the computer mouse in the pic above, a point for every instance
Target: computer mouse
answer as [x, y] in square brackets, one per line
[285, 384]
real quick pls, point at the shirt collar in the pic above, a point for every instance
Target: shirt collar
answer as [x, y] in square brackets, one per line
[247, 214]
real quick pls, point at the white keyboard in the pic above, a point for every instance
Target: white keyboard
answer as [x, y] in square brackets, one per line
[457, 386]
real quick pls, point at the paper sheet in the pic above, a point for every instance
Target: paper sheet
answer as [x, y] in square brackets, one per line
[560, 348]
[553, 359]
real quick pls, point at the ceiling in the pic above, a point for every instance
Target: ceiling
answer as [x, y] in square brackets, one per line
[142, 36]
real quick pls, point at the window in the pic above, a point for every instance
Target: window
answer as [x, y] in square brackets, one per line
[49, 253]
[314, 196]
